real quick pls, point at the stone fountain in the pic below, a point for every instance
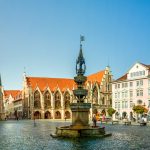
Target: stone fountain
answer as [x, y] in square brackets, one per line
[80, 126]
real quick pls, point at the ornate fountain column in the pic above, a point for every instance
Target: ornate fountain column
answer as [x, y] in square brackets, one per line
[80, 110]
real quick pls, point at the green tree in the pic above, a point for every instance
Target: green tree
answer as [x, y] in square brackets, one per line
[139, 109]
[111, 111]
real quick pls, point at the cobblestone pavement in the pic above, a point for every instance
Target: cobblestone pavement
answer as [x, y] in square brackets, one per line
[25, 135]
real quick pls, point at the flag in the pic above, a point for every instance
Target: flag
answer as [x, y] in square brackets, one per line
[82, 38]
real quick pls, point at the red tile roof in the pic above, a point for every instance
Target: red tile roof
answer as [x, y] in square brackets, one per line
[52, 83]
[13, 93]
[61, 83]
[96, 77]
[124, 77]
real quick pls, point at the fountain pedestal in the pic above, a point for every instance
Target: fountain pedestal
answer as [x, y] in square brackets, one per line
[80, 115]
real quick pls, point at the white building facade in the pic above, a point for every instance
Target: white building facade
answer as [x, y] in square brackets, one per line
[130, 90]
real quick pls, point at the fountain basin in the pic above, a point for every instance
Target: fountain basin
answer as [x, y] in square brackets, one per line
[74, 132]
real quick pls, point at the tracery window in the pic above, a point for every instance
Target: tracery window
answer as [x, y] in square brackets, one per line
[67, 100]
[37, 103]
[47, 100]
[95, 96]
[57, 100]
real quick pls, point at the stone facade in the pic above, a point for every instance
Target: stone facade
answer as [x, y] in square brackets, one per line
[50, 98]
[131, 89]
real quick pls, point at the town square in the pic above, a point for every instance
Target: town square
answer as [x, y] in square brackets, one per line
[74, 75]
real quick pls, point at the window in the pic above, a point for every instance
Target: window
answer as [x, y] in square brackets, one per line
[148, 82]
[37, 103]
[115, 86]
[119, 105]
[57, 97]
[47, 100]
[131, 93]
[141, 82]
[137, 93]
[131, 104]
[148, 92]
[115, 104]
[131, 84]
[67, 100]
[140, 73]
[141, 92]
[148, 103]
[143, 72]
[115, 95]
[137, 83]
[122, 85]
[126, 104]
[118, 94]
[126, 84]
[123, 104]
[118, 85]
[122, 94]
[126, 93]
[95, 96]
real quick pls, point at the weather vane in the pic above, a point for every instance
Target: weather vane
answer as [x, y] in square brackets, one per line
[82, 38]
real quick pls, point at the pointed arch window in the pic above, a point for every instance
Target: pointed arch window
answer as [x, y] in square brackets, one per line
[67, 100]
[95, 96]
[57, 100]
[37, 102]
[47, 100]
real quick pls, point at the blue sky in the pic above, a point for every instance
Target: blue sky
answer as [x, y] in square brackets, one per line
[43, 37]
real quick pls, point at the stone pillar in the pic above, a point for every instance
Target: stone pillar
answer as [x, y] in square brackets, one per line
[80, 114]
[53, 106]
[53, 113]
[42, 114]
[63, 113]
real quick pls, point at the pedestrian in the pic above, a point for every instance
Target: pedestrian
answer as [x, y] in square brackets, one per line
[65, 117]
[103, 117]
[94, 120]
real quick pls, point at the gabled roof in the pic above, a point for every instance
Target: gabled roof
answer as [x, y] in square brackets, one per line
[124, 77]
[13, 93]
[62, 83]
[52, 83]
[148, 66]
[96, 77]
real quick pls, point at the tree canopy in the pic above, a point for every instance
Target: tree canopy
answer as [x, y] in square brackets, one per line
[139, 109]
[111, 111]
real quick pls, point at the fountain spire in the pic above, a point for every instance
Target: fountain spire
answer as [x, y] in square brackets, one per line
[80, 93]
[80, 62]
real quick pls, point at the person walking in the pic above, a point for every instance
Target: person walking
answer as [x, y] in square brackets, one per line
[94, 120]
